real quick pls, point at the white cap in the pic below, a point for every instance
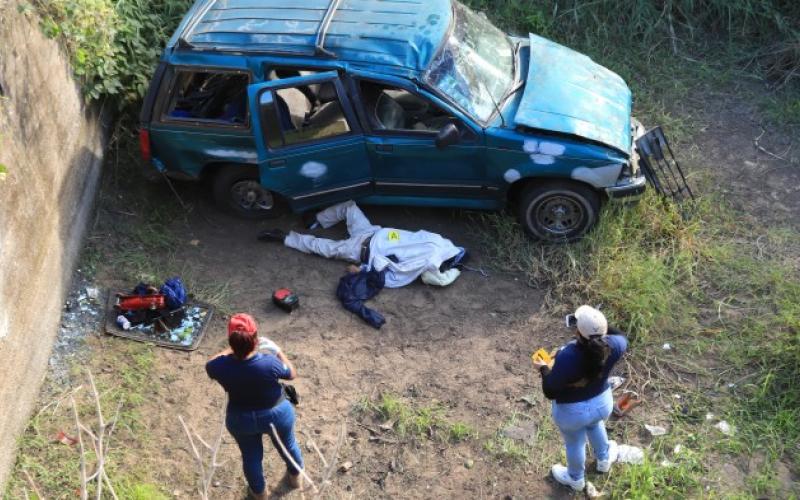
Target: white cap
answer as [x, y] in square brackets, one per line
[591, 322]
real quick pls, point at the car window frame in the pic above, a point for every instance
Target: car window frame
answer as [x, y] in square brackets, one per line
[355, 88]
[168, 94]
[348, 110]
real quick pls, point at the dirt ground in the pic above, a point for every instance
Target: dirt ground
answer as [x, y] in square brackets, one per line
[466, 346]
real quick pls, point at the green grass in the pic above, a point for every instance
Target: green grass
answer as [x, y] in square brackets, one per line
[632, 263]
[541, 451]
[416, 422]
[724, 293]
[506, 449]
[54, 466]
[783, 107]
[140, 491]
[718, 285]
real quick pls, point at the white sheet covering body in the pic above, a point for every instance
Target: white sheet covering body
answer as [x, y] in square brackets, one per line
[415, 251]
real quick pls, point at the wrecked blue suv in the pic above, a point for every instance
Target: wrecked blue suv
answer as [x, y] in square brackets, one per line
[281, 104]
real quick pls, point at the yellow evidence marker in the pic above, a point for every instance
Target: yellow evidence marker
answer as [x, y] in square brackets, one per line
[543, 356]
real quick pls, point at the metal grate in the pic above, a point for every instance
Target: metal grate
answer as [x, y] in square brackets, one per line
[660, 166]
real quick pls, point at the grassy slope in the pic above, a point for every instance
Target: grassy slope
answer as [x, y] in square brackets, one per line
[724, 294]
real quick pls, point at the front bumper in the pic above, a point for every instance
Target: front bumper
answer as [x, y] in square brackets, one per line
[632, 186]
[628, 188]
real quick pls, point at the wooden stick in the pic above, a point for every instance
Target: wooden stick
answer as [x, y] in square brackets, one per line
[33, 486]
[334, 457]
[84, 491]
[319, 453]
[206, 475]
[289, 457]
[197, 457]
[214, 450]
[110, 488]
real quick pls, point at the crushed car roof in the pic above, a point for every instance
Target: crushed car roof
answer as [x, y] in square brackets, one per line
[404, 33]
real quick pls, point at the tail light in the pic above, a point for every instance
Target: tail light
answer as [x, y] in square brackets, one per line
[144, 144]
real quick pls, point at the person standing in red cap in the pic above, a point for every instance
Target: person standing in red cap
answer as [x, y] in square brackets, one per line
[256, 401]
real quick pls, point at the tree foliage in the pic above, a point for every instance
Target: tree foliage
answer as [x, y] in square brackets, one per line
[113, 44]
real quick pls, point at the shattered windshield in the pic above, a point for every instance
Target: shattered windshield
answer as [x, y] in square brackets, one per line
[475, 68]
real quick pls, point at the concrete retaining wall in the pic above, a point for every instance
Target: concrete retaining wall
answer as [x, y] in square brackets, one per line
[52, 146]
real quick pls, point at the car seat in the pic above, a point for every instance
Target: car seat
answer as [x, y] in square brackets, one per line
[389, 113]
[293, 107]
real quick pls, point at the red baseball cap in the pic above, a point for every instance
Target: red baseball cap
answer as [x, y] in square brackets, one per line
[242, 322]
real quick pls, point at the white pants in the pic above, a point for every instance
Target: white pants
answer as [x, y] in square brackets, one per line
[358, 227]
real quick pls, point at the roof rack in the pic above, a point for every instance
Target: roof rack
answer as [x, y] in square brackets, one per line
[319, 45]
[183, 42]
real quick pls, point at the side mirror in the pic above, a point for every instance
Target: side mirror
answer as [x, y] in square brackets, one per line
[447, 136]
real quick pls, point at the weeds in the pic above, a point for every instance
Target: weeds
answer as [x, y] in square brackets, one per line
[54, 466]
[728, 293]
[415, 422]
[636, 263]
[508, 450]
[132, 490]
[536, 450]
[763, 32]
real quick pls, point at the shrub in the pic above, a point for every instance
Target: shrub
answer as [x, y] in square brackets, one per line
[113, 44]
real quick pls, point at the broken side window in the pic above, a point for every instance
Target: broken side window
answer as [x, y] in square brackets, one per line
[297, 119]
[391, 108]
[209, 95]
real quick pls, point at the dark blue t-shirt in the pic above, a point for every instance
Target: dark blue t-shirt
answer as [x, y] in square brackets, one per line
[251, 384]
[566, 382]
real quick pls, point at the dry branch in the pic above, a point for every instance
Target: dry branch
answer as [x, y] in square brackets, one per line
[33, 486]
[206, 467]
[331, 463]
[99, 440]
[289, 457]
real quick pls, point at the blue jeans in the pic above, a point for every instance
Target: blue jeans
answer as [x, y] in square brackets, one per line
[580, 420]
[248, 428]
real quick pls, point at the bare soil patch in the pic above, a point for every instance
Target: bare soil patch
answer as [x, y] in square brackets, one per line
[465, 347]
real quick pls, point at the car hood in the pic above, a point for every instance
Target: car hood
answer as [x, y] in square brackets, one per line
[567, 92]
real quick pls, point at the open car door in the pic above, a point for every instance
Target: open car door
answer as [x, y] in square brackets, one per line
[311, 149]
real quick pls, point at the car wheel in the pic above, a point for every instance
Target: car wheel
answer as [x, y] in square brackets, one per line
[237, 190]
[558, 212]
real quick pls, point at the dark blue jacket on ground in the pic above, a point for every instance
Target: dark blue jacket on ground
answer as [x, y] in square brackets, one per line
[355, 289]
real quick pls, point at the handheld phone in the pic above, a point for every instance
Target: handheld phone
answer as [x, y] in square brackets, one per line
[571, 321]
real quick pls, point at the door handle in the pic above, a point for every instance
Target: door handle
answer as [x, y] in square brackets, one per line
[384, 148]
[277, 163]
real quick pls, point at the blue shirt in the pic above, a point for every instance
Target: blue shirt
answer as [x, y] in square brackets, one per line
[251, 384]
[566, 382]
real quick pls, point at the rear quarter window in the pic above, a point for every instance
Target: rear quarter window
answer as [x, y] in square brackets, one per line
[214, 97]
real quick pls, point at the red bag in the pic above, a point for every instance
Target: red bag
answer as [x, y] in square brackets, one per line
[285, 299]
[140, 302]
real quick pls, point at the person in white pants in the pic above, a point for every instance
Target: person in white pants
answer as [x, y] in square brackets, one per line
[405, 255]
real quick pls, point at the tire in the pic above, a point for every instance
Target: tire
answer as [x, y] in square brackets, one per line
[237, 190]
[558, 211]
